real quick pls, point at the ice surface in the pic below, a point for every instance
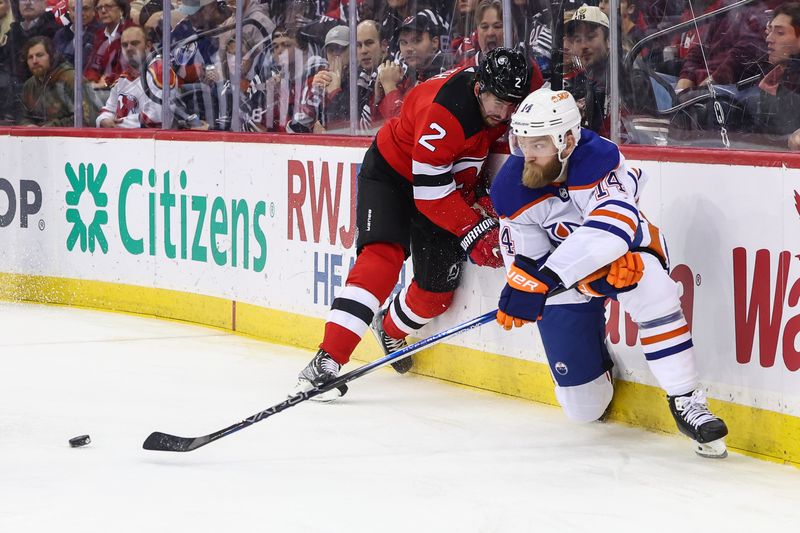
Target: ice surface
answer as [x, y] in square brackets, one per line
[397, 454]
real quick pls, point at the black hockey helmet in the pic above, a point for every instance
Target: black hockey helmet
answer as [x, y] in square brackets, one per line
[505, 73]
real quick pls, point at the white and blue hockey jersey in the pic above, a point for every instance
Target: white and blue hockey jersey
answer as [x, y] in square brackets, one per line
[580, 225]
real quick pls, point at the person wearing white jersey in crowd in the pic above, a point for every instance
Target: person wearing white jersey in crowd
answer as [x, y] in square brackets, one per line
[128, 105]
[569, 216]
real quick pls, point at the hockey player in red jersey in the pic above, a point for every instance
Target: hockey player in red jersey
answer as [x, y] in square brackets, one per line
[569, 216]
[418, 194]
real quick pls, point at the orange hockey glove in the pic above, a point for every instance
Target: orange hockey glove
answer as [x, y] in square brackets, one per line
[621, 275]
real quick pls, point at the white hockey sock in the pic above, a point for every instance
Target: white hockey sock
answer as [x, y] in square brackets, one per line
[668, 348]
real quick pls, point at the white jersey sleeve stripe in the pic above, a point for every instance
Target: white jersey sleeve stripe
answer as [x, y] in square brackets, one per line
[429, 170]
[433, 193]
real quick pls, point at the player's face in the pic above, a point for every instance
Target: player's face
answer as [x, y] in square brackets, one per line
[782, 40]
[490, 30]
[38, 60]
[493, 109]
[536, 148]
[541, 161]
[417, 48]
[589, 44]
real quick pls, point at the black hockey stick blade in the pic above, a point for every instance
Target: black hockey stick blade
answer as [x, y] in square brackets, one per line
[164, 442]
[171, 443]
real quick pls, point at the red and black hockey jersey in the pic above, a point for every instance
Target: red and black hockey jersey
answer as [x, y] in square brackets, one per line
[439, 143]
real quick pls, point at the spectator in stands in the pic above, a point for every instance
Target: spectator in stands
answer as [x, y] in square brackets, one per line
[586, 38]
[6, 18]
[47, 96]
[631, 21]
[489, 30]
[307, 19]
[256, 33]
[489, 24]
[420, 59]
[779, 95]
[419, 42]
[276, 84]
[531, 20]
[371, 54]
[462, 26]
[30, 20]
[326, 105]
[65, 36]
[6, 92]
[129, 105]
[730, 49]
[197, 63]
[395, 12]
[371, 50]
[104, 64]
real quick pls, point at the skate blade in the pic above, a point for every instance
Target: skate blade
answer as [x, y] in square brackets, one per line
[329, 396]
[715, 449]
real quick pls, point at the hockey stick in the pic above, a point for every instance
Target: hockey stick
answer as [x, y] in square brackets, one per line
[170, 443]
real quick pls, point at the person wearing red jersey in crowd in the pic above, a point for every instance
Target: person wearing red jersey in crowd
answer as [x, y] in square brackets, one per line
[417, 195]
[489, 32]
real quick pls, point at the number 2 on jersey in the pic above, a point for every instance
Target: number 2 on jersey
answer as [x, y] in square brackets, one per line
[440, 133]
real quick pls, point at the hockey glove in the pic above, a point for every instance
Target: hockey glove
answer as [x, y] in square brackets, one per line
[522, 299]
[482, 243]
[620, 276]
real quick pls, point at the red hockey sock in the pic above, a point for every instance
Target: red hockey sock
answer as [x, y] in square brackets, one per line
[369, 283]
[416, 308]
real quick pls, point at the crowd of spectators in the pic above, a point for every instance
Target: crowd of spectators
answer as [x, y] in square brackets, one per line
[735, 72]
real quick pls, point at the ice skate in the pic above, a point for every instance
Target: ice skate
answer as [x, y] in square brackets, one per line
[390, 344]
[319, 371]
[696, 422]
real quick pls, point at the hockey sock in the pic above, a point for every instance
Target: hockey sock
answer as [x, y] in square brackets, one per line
[667, 345]
[412, 308]
[368, 284]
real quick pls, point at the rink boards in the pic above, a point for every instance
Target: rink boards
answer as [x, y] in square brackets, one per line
[254, 234]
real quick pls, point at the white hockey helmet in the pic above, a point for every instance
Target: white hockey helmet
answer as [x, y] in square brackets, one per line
[546, 112]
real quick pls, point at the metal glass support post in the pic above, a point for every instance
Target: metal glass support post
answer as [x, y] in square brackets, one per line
[236, 120]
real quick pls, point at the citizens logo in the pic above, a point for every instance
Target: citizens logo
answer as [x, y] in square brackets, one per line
[158, 215]
[91, 235]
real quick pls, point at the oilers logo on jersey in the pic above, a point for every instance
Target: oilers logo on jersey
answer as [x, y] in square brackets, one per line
[561, 230]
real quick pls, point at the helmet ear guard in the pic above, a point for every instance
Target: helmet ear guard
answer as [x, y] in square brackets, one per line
[546, 113]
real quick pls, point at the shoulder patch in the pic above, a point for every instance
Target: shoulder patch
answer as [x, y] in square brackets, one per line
[593, 159]
[457, 96]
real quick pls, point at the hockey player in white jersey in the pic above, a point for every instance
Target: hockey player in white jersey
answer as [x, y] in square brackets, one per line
[569, 216]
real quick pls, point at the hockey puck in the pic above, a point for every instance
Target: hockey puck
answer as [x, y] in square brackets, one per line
[77, 442]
